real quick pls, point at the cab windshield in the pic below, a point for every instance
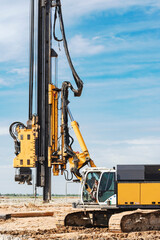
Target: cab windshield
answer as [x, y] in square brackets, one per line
[89, 188]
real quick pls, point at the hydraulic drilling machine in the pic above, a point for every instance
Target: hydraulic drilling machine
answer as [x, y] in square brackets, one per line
[128, 187]
[36, 145]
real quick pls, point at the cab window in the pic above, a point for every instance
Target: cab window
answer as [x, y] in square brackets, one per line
[106, 186]
[90, 180]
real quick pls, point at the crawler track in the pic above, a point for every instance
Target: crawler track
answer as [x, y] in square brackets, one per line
[138, 220]
[127, 221]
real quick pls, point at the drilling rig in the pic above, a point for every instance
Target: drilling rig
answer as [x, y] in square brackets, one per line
[39, 144]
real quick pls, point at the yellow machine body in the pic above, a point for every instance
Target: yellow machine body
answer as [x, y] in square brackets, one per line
[150, 193]
[138, 193]
[27, 156]
[54, 160]
[53, 102]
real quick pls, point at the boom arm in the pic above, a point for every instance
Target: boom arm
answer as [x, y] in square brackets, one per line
[84, 157]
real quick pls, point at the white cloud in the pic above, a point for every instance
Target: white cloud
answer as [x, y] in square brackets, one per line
[129, 82]
[14, 28]
[120, 68]
[125, 93]
[14, 19]
[13, 77]
[140, 141]
[114, 29]
[80, 46]
[20, 71]
[6, 166]
[14, 93]
[129, 43]
[20, 76]
[74, 9]
[136, 93]
[3, 82]
[4, 131]
[151, 141]
[14, 23]
[111, 155]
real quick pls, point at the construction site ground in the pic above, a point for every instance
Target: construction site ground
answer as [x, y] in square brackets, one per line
[51, 227]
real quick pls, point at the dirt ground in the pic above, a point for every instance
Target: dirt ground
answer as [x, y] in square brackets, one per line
[52, 227]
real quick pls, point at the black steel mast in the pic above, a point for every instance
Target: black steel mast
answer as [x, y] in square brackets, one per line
[43, 146]
[44, 78]
[31, 62]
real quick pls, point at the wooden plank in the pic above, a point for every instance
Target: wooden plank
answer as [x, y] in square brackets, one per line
[31, 214]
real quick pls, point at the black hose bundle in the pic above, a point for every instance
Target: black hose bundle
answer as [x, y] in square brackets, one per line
[13, 131]
[66, 175]
[14, 134]
[68, 140]
[78, 81]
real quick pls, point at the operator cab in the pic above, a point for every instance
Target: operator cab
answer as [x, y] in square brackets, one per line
[99, 186]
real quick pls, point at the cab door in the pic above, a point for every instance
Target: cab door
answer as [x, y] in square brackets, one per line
[106, 188]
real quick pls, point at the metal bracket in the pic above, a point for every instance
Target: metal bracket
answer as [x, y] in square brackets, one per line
[55, 3]
[41, 160]
[53, 53]
[43, 3]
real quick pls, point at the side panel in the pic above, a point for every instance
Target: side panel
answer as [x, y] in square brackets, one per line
[128, 193]
[53, 141]
[27, 156]
[130, 172]
[150, 193]
[142, 194]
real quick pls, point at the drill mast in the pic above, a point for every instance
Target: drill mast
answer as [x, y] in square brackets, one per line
[36, 145]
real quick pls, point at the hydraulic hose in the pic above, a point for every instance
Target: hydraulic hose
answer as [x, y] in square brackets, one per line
[13, 131]
[78, 81]
[14, 135]
[64, 105]
[68, 140]
[66, 175]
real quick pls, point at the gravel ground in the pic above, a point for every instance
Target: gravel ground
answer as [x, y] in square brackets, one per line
[52, 227]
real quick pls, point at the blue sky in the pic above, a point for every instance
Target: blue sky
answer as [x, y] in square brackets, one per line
[115, 47]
